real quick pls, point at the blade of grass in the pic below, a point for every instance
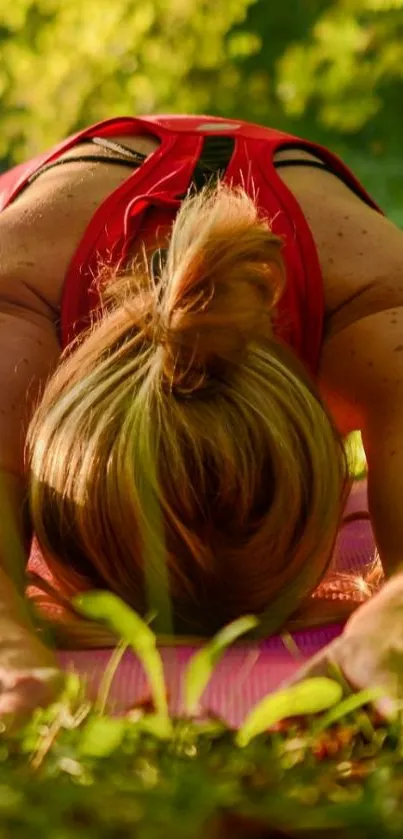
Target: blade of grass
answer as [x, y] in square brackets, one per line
[363, 721]
[152, 527]
[347, 706]
[202, 663]
[107, 607]
[308, 697]
[291, 646]
[107, 678]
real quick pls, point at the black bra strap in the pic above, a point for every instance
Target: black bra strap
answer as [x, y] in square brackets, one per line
[130, 158]
[82, 158]
[319, 164]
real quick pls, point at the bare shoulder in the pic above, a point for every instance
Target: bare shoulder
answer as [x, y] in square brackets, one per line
[41, 230]
[361, 255]
[360, 251]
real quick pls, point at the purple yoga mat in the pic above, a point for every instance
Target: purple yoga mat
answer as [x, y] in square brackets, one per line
[246, 672]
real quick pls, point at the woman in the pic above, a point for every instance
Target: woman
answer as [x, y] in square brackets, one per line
[195, 430]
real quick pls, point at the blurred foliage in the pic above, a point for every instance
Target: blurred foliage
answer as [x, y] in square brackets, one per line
[65, 65]
[354, 50]
[331, 70]
[302, 764]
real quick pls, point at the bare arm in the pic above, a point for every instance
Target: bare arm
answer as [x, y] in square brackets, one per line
[361, 371]
[29, 351]
[361, 378]
[39, 233]
[38, 236]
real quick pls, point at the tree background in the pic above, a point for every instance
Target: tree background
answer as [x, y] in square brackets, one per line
[330, 70]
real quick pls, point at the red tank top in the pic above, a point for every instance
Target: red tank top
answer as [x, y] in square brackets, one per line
[148, 198]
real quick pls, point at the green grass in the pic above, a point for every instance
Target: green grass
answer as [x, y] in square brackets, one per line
[75, 772]
[107, 779]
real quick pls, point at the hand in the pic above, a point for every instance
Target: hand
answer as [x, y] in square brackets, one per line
[29, 678]
[370, 650]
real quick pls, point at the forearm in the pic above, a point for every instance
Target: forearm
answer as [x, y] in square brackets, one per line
[383, 441]
[14, 541]
[28, 353]
[20, 643]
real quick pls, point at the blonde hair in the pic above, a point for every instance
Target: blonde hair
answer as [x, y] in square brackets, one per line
[180, 445]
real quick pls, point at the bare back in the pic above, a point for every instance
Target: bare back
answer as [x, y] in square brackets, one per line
[361, 253]
[41, 230]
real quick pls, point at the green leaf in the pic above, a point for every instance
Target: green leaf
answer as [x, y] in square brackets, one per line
[309, 697]
[355, 453]
[156, 725]
[107, 607]
[348, 706]
[108, 676]
[202, 663]
[72, 689]
[101, 736]
[211, 728]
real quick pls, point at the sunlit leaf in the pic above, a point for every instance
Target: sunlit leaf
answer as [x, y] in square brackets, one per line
[108, 608]
[202, 663]
[308, 697]
[156, 725]
[243, 44]
[211, 728]
[176, 47]
[356, 458]
[348, 706]
[101, 736]
[108, 676]
[72, 688]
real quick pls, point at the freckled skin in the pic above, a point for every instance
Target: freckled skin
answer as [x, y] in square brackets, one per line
[360, 289]
[356, 283]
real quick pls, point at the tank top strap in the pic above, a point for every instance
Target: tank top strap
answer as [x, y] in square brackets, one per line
[146, 202]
